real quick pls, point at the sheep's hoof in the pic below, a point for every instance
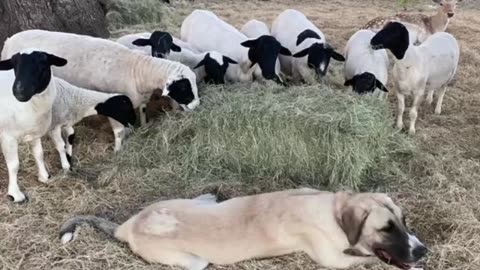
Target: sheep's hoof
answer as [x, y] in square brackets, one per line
[411, 132]
[44, 179]
[19, 198]
[438, 112]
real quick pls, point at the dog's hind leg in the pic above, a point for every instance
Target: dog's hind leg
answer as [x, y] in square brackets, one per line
[195, 263]
[210, 198]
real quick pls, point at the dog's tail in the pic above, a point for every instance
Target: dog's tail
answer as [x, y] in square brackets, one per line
[67, 231]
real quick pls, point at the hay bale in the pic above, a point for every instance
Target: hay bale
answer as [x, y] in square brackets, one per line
[307, 135]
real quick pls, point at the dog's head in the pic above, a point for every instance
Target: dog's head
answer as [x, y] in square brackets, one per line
[375, 226]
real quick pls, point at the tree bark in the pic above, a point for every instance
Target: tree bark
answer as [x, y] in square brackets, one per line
[74, 16]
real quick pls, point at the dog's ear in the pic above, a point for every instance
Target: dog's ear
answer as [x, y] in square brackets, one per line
[350, 217]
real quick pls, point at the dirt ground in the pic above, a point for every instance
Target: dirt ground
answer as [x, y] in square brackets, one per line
[439, 186]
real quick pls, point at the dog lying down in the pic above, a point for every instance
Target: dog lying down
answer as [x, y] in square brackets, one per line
[337, 230]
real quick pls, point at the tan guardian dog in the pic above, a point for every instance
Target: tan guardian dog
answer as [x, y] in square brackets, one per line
[337, 230]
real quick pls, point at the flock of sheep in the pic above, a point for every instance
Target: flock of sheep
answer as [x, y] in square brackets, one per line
[50, 80]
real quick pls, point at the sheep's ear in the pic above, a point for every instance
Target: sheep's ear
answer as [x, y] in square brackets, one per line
[229, 60]
[175, 48]
[285, 51]
[380, 86]
[337, 56]
[54, 60]
[6, 64]
[302, 53]
[142, 42]
[249, 43]
[201, 63]
[348, 82]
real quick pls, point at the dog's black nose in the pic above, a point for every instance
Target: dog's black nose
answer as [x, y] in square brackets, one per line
[419, 252]
[450, 15]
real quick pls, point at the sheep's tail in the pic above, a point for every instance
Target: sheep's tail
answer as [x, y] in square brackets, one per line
[67, 231]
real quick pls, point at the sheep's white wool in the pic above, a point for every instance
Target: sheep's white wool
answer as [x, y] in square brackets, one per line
[221, 37]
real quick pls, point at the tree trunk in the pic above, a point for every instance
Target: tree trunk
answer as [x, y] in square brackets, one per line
[74, 16]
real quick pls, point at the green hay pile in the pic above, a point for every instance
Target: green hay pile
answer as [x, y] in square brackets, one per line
[305, 135]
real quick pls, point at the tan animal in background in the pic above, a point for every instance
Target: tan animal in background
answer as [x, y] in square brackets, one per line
[337, 230]
[420, 26]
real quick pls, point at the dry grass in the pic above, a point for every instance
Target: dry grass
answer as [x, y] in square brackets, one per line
[438, 184]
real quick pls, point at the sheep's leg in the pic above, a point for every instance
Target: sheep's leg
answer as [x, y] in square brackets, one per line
[118, 133]
[143, 114]
[438, 107]
[10, 152]
[70, 132]
[56, 136]
[38, 155]
[401, 109]
[414, 113]
[430, 96]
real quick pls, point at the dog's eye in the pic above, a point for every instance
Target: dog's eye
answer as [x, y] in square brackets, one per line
[389, 228]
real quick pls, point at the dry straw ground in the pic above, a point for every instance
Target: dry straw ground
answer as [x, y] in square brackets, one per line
[436, 180]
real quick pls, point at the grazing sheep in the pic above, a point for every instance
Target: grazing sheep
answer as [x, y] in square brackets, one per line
[158, 44]
[26, 98]
[365, 69]
[72, 104]
[256, 29]
[428, 67]
[311, 52]
[206, 32]
[107, 66]
[208, 66]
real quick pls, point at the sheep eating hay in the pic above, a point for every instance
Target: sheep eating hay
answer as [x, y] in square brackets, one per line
[107, 66]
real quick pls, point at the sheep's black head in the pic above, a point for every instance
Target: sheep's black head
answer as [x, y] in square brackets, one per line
[119, 108]
[394, 36]
[216, 66]
[319, 55]
[365, 83]
[183, 91]
[32, 72]
[161, 43]
[264, 51]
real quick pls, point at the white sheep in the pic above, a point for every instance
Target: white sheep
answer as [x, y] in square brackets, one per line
[255, 29]
[27, 93]
[428, 67]
[107, 66]
[208, 66]
[206, 32]
[311, 52]
[365, 69]
[73, 103]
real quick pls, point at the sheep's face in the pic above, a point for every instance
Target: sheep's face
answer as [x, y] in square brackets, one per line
[365, 83]
[319, 55]
[216, 66]
[32, 72]
[161, 43]
[120, 108]
[181, 90]
[264, 51]
[395, 37]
